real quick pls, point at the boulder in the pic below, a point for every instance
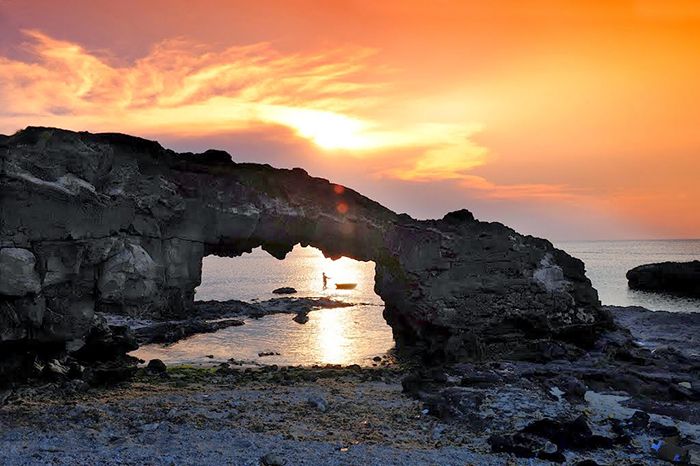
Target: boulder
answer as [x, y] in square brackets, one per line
[18, 272]
[156, 366]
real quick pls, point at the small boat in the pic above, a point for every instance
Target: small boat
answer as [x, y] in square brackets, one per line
[345, 286]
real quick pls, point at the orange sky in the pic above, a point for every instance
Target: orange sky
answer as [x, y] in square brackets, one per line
[565, 119]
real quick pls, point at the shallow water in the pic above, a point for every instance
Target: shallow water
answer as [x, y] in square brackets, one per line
[607, 262]
[351, 335]
[356, 334]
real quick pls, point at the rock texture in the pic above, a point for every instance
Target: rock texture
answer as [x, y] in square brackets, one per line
[674, 277]
[109, 222]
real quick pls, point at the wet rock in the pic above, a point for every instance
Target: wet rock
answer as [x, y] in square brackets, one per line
[263, 354]
[526, 446]
[536, 439]
[156, 366]
[301, 318]
[272, 459]
[572, 388]
[673, 335]
[285, 290]
[662, 430]
[638, 421]
[472, 376]
[170, 332]
[318, 403]
[107, 342]
[456, 403]
[574, 435]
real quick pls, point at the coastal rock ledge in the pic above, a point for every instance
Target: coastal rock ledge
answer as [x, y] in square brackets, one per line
[669, 277]
[109, 222]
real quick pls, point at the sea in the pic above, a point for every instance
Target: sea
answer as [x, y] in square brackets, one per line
[358, 334]
[607, 263]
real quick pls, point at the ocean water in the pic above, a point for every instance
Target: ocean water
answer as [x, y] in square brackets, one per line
[607, 262]
[357, 334]
[349, 335]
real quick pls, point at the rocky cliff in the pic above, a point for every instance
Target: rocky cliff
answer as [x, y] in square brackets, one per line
[109, 222]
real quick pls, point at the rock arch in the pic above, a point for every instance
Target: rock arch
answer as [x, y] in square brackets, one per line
[113, 222]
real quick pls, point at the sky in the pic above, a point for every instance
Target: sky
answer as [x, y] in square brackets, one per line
[563, 119]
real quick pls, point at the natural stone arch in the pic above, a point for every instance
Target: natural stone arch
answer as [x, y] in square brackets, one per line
[118, 223]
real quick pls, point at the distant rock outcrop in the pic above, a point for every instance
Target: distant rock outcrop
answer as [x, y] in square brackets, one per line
[284, 290]
[109, 222]
[673, 277]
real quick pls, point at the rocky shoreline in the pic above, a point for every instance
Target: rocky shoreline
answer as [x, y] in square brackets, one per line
[606, 406]
[507, 356]
[212, 316]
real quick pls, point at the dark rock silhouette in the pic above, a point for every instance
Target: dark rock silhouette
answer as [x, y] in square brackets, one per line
[284, 290]
[673, 277]
[109, 222]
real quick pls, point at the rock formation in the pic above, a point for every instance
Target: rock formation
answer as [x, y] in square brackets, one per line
[673, 277]
[109, 222]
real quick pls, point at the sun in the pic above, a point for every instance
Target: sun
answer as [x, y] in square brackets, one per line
[328, 130]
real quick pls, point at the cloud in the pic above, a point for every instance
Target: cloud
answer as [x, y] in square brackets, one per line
[490, 190]
[183, 88]
[179, 83]
[335, 99]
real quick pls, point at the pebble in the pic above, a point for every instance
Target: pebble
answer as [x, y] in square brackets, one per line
[156, 366]
[272, 459]
[318, 403]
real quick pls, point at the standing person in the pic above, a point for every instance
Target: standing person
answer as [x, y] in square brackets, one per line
[325, 280]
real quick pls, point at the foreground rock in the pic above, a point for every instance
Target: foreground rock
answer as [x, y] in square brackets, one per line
[617, 403]
[118, 224]
[661, 329]
[673, 277]
[334, 416]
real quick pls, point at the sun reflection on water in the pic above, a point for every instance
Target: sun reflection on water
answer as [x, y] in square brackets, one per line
[331, 339]
[346, 335]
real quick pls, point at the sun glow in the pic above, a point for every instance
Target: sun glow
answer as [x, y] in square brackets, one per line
[327, 130]
[343, 270]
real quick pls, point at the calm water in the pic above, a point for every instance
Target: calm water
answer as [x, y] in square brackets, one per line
[356, 334]
[352, 335]
[607, 262]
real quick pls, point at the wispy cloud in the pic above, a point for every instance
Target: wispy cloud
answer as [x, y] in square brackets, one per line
[487, 189]
[331, 98]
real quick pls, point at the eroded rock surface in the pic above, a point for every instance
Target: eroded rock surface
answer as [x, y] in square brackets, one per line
[108, 222]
